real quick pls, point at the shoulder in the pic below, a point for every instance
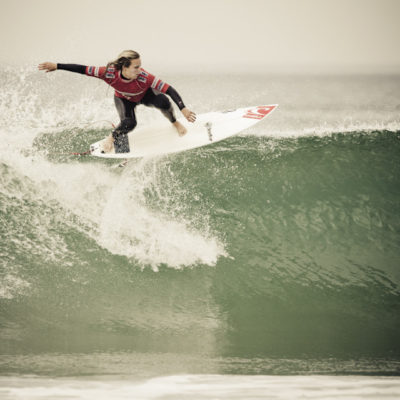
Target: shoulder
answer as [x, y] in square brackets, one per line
[99, 72]
[145, 76]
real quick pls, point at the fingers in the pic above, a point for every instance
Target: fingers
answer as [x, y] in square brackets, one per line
[47, 67]
[191, 116]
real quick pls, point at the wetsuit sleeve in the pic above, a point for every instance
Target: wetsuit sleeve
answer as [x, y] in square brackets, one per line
[80, 69]
[97, 72]
[175, 97]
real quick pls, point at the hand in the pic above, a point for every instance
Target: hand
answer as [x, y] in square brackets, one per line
[189, 115]
[48, 66]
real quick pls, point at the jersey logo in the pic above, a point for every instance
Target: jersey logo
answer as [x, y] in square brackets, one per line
[144, 73]
[160, 86]
[141, 79]
[109, 75]
[90, 70]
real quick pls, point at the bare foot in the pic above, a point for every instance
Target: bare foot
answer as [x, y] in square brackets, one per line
[180, 128]
[108, 144]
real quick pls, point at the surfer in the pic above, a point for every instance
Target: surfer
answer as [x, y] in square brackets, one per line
[133, 85]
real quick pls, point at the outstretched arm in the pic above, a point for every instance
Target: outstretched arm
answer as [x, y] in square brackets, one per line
[49, 67]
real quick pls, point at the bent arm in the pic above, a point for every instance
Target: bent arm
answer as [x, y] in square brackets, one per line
[175, 97]
[189, 115]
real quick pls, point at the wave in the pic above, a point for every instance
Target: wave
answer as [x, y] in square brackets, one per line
[303, 229]
[269, 243]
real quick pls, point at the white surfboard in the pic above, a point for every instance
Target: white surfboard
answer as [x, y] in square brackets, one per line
[209, 128]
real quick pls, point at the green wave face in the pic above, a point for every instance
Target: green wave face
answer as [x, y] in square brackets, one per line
[254, 247]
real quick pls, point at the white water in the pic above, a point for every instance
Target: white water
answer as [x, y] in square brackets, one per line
[202, 387]
[110, 203]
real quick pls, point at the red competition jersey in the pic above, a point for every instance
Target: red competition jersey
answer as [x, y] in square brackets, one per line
[131, 90]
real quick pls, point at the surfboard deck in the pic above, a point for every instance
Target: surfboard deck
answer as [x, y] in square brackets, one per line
[209, 128]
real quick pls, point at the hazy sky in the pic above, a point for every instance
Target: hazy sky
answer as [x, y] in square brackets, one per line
[186, 35]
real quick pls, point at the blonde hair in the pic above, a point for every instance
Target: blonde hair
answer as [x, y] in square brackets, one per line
[124, 59]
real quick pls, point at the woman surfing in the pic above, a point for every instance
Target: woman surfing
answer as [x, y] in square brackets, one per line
[133, 85]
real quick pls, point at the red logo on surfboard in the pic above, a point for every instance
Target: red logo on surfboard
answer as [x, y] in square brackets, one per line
[259, 112]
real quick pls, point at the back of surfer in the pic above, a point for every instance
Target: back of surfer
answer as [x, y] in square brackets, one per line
[133, 85]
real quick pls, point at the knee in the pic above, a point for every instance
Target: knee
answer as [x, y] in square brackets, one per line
[128, 124]
[125, 126]
[162, 101]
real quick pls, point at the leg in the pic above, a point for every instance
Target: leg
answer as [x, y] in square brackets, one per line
[160, 101]
[126, 111]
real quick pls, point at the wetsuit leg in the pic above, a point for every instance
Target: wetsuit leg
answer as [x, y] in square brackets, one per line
[126, 111]
[160, 101]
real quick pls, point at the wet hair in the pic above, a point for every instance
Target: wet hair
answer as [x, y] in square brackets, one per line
[124, 59]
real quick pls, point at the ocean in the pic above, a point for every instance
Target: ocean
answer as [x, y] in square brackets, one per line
[263, 266]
